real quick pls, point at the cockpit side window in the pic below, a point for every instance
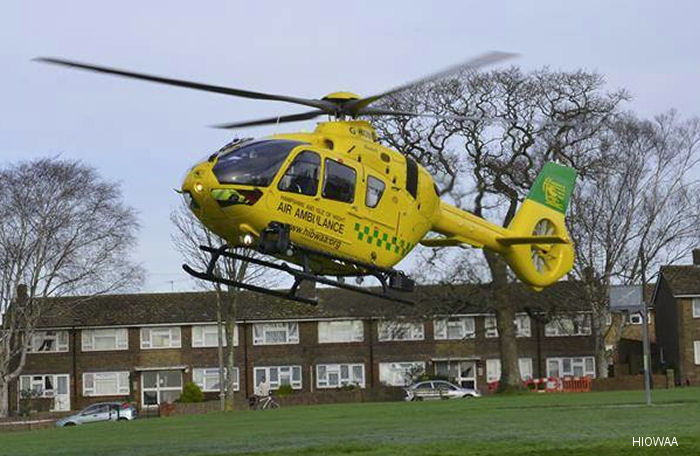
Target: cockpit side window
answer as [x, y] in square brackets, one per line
[302, 174]
[375, 190]
[254, 162]
[339, 182]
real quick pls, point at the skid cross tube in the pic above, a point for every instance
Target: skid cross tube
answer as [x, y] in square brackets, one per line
[298, 274]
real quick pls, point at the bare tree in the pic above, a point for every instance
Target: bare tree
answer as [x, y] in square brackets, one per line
[637, 212]
[487, 165]
[189, 234]
[64, 231]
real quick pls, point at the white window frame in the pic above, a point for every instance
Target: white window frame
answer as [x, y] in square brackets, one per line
[490, 327]
[696, 307]
[59, 337]
[522, 322]
[527, 364]
[398, 373]
[581, 326]
[174, 337]
[88, 336]
[636, 318]
[696, 349]
[201, 376]
[389, 330]
[120, 378]
[466, 326]
[571, 361]
[200, 332]
[323, 381]
[340, 331]
[286, 370]
[262, 330]
[523, 325]
[493, 370]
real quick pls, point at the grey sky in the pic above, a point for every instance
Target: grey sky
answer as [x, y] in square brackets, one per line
[146, 135]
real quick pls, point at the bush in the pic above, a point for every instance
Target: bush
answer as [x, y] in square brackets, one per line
[284, 390]
[191, 393]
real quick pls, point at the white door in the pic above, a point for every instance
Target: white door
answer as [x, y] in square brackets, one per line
[61, 401]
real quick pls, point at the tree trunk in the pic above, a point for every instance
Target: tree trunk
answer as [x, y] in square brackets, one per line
[510, 369]
[505, 316]
[599, 330]
[4, 398]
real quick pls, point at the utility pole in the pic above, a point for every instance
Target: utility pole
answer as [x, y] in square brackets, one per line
[645, 333]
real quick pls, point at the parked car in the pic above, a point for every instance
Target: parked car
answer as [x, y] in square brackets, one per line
[102, 411]
[438, 389]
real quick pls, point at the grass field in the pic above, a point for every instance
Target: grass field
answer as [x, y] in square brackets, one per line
[542, 424]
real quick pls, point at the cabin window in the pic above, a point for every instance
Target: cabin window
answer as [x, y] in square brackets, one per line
[412, 177]
[375, 190]
[339, 182]
[302, 175]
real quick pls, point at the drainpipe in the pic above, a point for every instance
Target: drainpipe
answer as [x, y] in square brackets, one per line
[75, 367]
[371, 355]
[244, 378]
[539, 349]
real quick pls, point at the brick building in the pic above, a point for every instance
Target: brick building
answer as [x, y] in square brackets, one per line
[677, 305]
[144, 347]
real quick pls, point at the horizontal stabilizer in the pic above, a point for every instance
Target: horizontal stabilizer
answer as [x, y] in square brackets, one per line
[515, 240]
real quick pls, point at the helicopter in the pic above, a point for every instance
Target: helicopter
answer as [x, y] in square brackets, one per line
[335, 203]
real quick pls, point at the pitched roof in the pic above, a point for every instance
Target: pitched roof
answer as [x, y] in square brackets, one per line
[192, 307]
[684, 279]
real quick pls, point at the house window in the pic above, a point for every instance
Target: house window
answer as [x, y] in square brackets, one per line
[279, 375]
[578, 325]
[160, 337]
[571, 367]
[521, 322]
[493, 370]
[159, 387]
[340, 331]
[491, 330]
[696, 307]
[276, 333]
[696, 347]
[106, 383]
[105, 339]
[49, 342]
[400, 373]
[208, 336]
[337, 375]
[399, 330]
[525, 365]
[208, 378]
[454, 328]
[522, 326]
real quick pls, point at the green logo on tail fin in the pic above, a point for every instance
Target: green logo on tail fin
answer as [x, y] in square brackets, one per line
[553, 186]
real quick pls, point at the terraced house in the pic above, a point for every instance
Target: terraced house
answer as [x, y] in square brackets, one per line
[144, 347]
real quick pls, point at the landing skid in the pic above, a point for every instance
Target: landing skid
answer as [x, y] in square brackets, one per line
[276, 242]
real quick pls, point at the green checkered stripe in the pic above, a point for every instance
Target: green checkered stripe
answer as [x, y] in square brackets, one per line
[382, 239]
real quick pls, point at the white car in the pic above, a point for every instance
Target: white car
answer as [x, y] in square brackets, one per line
[438, 389]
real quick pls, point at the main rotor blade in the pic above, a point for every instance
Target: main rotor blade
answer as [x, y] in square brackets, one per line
[320, 104]
[273, 120]
[391, 112]
[475, 63]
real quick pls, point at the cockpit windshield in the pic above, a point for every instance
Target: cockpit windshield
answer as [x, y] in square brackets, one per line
[254, 162]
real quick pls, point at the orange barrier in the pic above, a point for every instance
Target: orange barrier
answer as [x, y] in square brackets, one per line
[552, 385]
[576, 384]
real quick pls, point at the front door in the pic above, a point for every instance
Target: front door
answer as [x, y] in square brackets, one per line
[159, 387]
[61, 401]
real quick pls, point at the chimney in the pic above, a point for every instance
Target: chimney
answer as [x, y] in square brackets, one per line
[696, 257]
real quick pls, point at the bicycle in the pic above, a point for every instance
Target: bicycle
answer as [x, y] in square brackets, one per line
[262, 403]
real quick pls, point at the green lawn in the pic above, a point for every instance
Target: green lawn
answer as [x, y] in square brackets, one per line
[541, 424]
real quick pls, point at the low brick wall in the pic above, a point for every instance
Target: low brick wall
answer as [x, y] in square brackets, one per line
[296, 398]
[26, 425]
[627, 382]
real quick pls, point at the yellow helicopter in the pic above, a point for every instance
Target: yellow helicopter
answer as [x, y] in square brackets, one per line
[337, 203]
